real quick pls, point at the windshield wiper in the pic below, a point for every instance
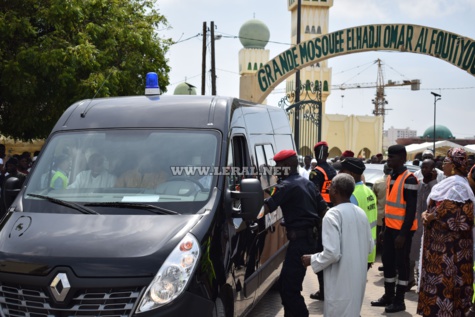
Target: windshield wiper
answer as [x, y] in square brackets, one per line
[152, 208]
[69, 204]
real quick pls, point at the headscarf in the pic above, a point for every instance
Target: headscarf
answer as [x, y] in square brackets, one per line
[454, 188]
[458, 157]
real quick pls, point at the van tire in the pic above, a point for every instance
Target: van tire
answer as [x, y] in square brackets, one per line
[219, 309]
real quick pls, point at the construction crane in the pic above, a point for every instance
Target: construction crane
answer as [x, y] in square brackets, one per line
[380, 101]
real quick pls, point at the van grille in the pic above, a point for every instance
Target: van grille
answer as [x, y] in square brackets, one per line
[27, 301]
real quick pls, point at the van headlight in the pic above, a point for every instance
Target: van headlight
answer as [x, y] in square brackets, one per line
[174, 275]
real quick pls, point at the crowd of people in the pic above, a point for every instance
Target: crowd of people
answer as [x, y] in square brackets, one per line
[421, 223]
[18, 166]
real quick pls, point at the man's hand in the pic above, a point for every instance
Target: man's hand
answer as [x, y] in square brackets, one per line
[399, 242]
[306, 259]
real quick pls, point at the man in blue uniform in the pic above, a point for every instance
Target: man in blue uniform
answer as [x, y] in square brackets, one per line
[300, 202]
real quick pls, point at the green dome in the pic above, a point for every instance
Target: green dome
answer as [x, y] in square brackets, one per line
[441, 132]
[254, 34]
[185, 89]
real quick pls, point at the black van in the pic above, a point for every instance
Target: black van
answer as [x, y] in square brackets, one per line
[146, 206]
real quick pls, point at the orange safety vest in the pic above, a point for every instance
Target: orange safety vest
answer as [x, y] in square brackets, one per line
[395, 210]
[326, 185]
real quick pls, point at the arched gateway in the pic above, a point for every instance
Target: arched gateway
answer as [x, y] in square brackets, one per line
[450, 47]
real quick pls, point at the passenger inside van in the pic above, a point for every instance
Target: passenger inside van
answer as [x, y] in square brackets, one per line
[96, 176]
[145, 174]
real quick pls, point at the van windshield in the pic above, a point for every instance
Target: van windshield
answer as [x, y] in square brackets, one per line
[172, 169]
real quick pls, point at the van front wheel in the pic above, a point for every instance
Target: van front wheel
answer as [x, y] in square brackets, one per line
[219, 309]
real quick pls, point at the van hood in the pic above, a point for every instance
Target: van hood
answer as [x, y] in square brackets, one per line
[91, 245]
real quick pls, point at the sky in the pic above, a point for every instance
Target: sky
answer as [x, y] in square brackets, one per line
[409, 109]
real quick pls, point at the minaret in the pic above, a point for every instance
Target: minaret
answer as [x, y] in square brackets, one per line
[313, 22]
[254, 36]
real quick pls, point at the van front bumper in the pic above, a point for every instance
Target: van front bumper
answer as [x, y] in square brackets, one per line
[188, 304]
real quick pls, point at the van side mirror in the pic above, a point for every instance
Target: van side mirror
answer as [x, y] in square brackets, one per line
[252, 199]
[12, 188]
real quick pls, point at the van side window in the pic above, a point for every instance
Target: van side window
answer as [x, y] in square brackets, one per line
[264, 155]
[238, 161]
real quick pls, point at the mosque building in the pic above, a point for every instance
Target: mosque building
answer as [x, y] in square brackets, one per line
[444, 140]
[361, 134]
[185, 89]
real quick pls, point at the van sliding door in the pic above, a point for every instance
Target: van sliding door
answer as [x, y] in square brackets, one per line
[242, 236]
[271, 237]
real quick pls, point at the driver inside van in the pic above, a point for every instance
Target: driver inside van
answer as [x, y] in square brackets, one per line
[60, 178]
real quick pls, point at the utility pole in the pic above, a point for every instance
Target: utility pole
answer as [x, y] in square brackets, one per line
[203, 62]
[297, 85]
[436, 98]
[213, 59]
[213, 62]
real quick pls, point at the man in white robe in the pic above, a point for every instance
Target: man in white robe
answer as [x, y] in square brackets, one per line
[347, 241]
[96, 176]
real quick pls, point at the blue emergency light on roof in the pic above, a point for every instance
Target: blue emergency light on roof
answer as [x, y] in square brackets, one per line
[151, 84]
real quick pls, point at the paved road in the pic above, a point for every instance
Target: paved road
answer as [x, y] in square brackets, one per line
[270, 305]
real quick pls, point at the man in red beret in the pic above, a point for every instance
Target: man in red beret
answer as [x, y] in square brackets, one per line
[301, 203]
[347, 153]
[322, 176]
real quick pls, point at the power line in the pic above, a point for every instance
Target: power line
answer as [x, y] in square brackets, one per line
[369, 64]
[224, 35]
[396, 71]
[253, 39]
[228, 71]
[358, 74]
[182, 81]
[192, 37]
[344, 71]
[448, 88]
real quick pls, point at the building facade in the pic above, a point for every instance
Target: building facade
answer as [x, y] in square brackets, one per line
[391, 135]
[360, 134]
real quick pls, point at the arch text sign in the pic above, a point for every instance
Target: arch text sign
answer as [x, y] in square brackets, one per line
[450, 47]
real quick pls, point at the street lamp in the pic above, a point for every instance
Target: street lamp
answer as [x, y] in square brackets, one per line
[436, 97]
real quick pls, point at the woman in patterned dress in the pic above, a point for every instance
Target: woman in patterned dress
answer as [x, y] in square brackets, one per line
[447, 252]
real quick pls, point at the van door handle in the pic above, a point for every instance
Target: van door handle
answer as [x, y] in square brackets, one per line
[253, 226]
[272, 228]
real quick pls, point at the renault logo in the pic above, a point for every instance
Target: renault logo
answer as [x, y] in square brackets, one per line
[60, 287]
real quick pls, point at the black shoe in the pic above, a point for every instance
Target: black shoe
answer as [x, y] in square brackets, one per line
[410, 285]
[395, 307]
[382, 302]
[381, 268]
[317, 295]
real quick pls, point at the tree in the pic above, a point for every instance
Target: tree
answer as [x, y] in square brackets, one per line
[55, 52]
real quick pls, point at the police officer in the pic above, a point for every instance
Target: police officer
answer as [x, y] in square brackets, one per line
[323, 173]
[322, 176]
[300, 202]
[400, 223]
